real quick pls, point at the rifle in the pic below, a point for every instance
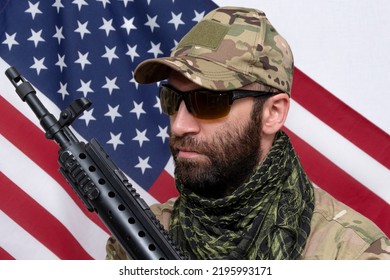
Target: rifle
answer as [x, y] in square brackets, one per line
[100, 184]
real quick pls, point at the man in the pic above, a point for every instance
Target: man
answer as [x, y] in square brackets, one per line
[243, 192]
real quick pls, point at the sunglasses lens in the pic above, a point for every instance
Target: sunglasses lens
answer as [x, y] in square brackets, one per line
[169, 100]
[202, 104]
[206, 105]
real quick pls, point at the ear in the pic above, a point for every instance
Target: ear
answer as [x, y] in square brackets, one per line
[275, 112]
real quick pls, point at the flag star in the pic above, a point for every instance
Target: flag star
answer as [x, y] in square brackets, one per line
[83, 59]
[36, 37]
[176, 20]
[82, 29]
[10, 40]
[125, 2]
[61, 62]
[64, 92]
[143, 164]
[174, 44]
[80, 3]
[155, 50]
[132, 52]
[128, 24]
[138, 110]
[158, 104]
[33, 9]
[198, 16]
[104, 2]
[113, 113]
[38, 65]
[141, 137]
[152, 23]
[87, 116]
[110, 85]
[163, 133]
[115, 140]
[134, 81]
[59, 34]
[110, 54]
[85, 87]
[107, 26]
[57, 4]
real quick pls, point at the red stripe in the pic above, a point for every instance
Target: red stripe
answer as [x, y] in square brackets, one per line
[341, 185]
[164, 187]
[36, 220]
[32, 142]
[350, 124]
[4, 255]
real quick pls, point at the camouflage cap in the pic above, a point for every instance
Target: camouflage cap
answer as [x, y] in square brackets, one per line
[228, 49]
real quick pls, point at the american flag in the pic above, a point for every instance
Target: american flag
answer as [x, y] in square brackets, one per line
[83, 48]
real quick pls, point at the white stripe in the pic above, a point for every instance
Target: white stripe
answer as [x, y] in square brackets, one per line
[19, 243]
[45, 190]
[339, 150]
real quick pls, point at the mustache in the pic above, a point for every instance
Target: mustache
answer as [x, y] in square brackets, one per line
[187, 143]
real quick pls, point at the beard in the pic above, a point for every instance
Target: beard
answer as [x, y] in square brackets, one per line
[229, 158]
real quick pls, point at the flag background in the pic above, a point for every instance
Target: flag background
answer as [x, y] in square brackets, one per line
[338, 120]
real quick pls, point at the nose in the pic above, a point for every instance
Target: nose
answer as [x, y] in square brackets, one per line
[183, 123]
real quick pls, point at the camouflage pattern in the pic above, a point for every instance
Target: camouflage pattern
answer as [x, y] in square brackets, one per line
[337, 233]
[230, 48]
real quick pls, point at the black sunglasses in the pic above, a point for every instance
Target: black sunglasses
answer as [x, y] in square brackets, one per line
[203, 103]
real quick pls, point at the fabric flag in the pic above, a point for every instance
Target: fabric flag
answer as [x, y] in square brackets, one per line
[81, 48]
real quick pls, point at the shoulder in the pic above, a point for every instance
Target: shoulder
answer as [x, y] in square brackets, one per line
[163, 211]
[339, 232]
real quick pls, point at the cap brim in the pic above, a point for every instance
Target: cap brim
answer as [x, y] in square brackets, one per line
[216, 77]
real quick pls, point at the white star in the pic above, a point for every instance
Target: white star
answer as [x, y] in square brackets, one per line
[110, 54]
[128, 24]
[64, 92]
[59, 34]
[175, 44]
[10, 40]
[163, 133]
[38, 65]
[134, 81]
[155, 50]
[33, 9]
[83, 60]
[87, 116]
[107, 26]
[85, 87]
[57, 4]
[176, 20]
[198, 16]
[36, 37]
[158, 104]
[152, 23]
[61, 62]
[113, 113]
[80, 3]
[138, 110]
[132, 52]
[82, 29]
[143, 164]
[104, 2]
[110, 85]
[115, 140]
[125, 2]
[141, 137]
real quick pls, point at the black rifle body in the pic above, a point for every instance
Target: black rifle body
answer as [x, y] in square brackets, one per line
[99, 183]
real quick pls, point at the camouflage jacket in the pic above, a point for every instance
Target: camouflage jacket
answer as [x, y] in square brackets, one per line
[337, 232]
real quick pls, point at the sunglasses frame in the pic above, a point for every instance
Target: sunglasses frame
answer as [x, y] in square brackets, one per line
[232, 95]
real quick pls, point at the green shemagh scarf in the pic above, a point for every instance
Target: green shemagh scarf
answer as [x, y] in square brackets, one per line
[268, 217]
